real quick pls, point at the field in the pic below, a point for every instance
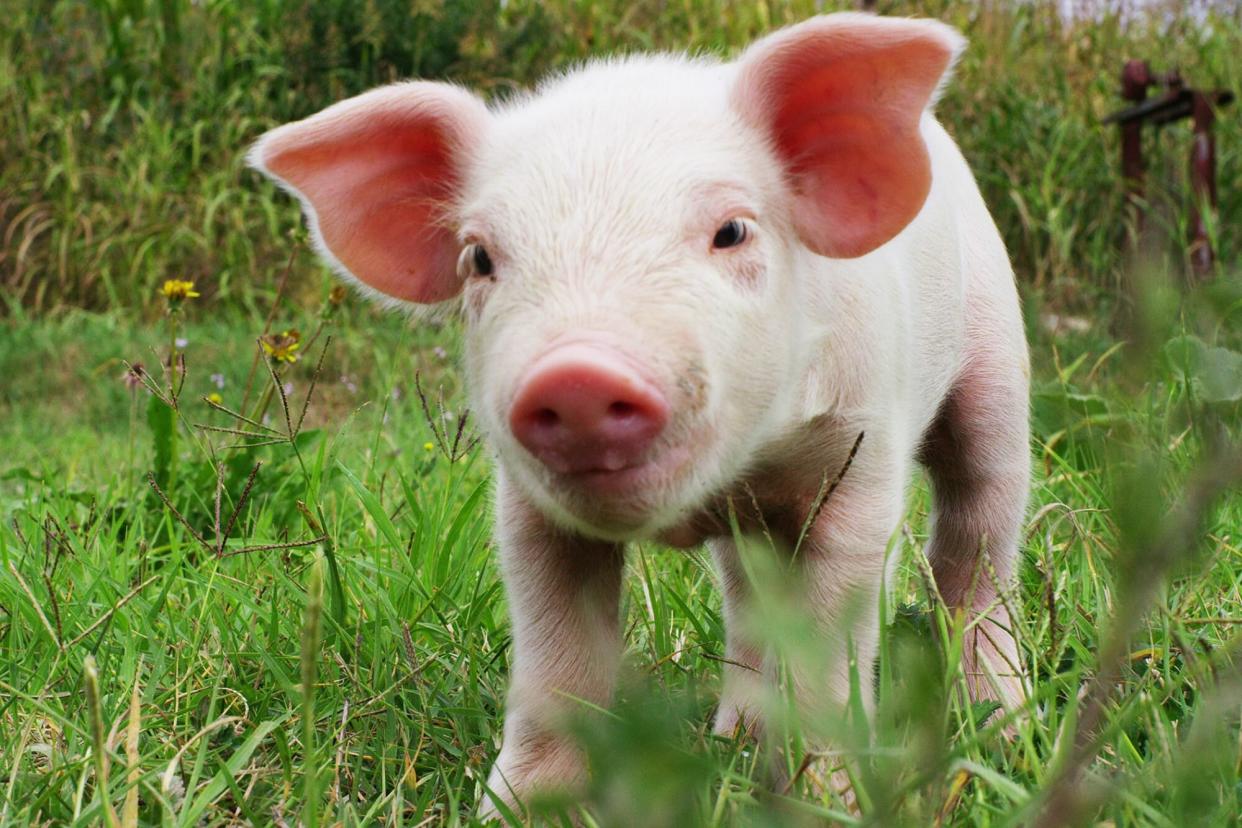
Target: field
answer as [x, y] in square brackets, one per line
[295, 615]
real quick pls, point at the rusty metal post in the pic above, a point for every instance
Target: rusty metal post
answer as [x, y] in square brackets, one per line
[1175, 102]
[1135, 78]
[1202, 183]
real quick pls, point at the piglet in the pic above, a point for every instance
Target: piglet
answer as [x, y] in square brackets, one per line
[688, 287]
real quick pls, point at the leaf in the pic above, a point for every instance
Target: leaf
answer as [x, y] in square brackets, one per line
[1215, 373]
[374, 508]
[1057, 408]
[217, 786]
[307, 438]
[982, 710]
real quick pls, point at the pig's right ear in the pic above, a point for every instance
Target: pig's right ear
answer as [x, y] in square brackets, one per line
[377, 175]
[841, 98]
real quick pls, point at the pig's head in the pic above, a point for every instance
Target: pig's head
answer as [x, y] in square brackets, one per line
[629, 244]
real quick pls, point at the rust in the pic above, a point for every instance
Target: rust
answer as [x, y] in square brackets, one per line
[1202, 183]
[1175, 102]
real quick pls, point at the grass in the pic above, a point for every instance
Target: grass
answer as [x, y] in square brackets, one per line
[361, 678]
[337, 652]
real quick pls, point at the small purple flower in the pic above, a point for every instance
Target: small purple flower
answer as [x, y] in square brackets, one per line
[288, 389]
[440, 352]
[218, 381]
[349, 384]
[181, 342]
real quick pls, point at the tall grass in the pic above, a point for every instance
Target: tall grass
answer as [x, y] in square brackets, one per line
[120, 162]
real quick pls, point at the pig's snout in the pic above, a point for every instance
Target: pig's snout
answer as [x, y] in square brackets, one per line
[584, 408]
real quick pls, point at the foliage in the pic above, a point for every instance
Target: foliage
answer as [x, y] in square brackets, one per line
[149, 104]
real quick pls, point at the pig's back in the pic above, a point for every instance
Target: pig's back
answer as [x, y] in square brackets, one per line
[964, 299]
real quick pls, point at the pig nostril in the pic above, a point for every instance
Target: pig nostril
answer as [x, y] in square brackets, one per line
[583, 408]
[545, 418]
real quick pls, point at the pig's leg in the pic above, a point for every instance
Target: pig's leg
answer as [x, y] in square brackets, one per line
[743, 668]
[978, 456]
[841, 566]
[564, 595]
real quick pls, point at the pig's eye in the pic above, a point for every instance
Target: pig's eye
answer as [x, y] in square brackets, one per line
[474, 261]
[732, 233]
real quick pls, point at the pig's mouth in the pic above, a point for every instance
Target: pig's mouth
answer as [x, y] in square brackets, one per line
[619, 481]
[619, 504]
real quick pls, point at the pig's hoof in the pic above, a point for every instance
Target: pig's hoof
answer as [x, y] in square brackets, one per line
[556, 769]
[992, 675]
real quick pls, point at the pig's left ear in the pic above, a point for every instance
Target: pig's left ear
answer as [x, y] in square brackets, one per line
[841, 97]
[377, 175]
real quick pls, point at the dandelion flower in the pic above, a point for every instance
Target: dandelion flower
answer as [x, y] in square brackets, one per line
[283, 346]
[177, 291]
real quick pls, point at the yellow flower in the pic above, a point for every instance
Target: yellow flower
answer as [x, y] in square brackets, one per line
[215, 399]
[177, 291]
[428, 446]
[281, 346]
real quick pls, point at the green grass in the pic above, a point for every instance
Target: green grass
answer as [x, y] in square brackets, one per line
[410, 667]
[352, 668]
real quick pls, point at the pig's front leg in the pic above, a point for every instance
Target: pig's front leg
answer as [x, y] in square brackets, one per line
[742, 694]
[564, 595]
[841, 566]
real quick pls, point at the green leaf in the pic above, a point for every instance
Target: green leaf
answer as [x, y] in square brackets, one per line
[982, 710]
[218, 784]
[374, 508]
[1214, 373]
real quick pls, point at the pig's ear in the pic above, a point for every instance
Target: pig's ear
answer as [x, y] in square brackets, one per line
[841, 97]
[377, 176]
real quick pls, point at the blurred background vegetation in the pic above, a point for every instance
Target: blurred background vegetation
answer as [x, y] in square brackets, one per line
[126, 122]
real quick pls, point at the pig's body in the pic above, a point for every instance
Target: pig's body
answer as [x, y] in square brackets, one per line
[688, 287]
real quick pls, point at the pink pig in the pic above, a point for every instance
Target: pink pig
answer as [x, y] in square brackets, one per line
[688, 286]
